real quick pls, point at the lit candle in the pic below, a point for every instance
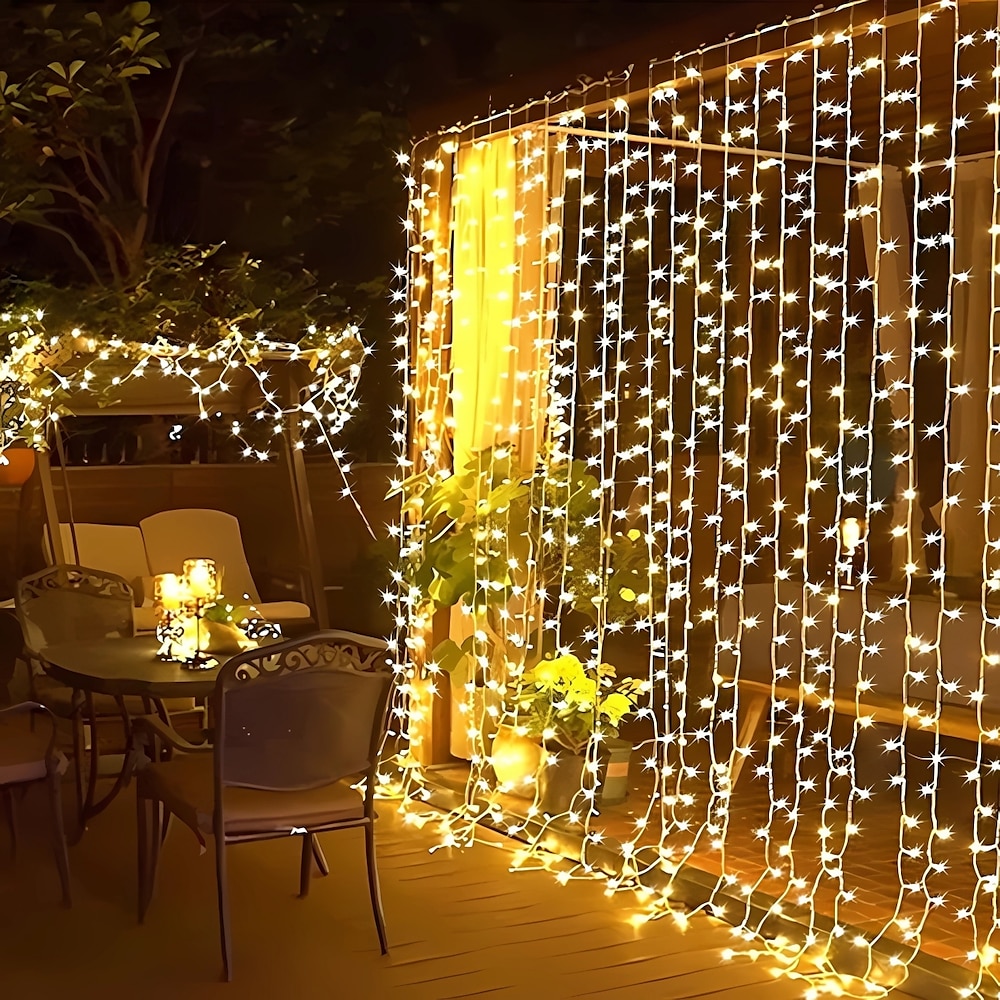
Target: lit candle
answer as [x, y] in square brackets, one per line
[201, 578]
[168, 591]
[851, 533]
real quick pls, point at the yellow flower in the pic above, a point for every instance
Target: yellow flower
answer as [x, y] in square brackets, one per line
[634, 535]
[582, 691]
[626, 594]
[561, 670]
[546, 674]
[614, 707]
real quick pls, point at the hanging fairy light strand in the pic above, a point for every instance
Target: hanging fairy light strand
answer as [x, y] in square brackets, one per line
[756, 295]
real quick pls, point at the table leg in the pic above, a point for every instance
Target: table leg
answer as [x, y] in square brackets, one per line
[92, 806]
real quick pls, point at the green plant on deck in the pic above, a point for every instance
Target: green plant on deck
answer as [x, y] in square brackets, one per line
[559, 700]
[501, 540]
[611, 575]
[460, 549]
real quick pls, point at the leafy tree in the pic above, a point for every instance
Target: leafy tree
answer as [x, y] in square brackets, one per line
[79, 142]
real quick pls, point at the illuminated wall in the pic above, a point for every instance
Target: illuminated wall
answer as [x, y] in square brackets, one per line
[755, 295]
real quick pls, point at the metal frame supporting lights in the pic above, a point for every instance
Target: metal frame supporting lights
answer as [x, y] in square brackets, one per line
[701, 385]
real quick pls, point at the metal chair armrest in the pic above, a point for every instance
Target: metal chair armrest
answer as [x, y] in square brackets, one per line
[157, 729]
[23, 708]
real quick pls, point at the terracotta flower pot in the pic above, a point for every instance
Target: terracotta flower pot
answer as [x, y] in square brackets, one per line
[16, 465]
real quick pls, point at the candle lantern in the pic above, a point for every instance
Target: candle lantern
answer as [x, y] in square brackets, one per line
[853, 531]
[168, 601]
[181, 602]
[201, 577]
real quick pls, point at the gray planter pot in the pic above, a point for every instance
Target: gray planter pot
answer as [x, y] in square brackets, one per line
[558, 783]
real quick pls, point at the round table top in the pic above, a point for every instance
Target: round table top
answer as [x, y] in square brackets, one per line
[126, 667]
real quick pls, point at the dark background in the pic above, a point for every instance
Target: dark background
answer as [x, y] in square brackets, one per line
[289, 117]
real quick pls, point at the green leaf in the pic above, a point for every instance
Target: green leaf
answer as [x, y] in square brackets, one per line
[93, 17]
[139, 11]
[446, 495]
[129, 71]
[58, 68]
[57, 90]
[75, 66]
[448, 655]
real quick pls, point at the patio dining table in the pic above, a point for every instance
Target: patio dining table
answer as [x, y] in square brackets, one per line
[123, 668]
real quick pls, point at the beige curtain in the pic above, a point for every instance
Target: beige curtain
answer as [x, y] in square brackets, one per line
[505, 254]
[507, 201]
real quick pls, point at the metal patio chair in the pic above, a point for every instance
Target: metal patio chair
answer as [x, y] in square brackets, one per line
[28, 755]
[62, 604]
[294, 722]
[70, 603]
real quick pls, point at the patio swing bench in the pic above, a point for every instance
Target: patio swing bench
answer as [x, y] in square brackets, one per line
[159, 544]
[865, 677]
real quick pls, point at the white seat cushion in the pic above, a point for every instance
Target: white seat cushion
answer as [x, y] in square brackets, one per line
[113, 548]
[277, 611]
[199, 533]
[144, 618]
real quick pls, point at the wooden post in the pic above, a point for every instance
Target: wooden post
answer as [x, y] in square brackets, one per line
[49, 506]
[431, 744]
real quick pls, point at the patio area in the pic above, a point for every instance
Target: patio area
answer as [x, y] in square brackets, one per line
[459, 925]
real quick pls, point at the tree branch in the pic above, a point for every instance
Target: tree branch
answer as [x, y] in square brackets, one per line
[147, 167]
[76, 248]
[98, 223]
[85, 160]
[140, 137]
[109, 178]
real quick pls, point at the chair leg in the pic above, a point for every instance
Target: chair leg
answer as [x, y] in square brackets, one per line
[373, 888]
[11, 810]
[10, 807]
[155, 841]
[95, 759]
[142, 846]
[59, 834]
[321, 863]
[305, 868]
[78, 764]
[221, 883]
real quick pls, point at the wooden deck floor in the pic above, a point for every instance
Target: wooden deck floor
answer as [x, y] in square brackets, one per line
[460, 925]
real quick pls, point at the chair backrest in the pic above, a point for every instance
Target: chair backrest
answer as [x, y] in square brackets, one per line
[302, 713]
[63, 603]
[114, 548]
[172, 536]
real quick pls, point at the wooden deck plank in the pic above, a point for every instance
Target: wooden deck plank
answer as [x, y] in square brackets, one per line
[460, 925]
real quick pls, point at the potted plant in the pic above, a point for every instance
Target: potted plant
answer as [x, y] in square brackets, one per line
[456, 556]
[498, 541]
[566, 719]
